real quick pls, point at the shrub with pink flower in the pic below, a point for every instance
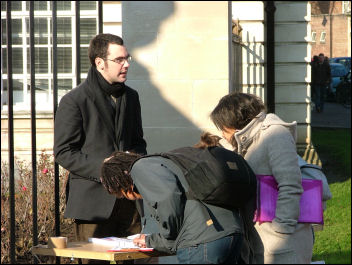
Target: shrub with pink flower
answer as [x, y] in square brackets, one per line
[24, 211]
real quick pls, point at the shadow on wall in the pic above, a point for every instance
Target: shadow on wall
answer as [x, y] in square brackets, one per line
[165, 127]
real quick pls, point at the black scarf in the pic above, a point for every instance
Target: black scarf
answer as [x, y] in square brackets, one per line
[118, 91]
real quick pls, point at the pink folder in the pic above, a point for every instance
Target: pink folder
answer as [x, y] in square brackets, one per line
[311, 208]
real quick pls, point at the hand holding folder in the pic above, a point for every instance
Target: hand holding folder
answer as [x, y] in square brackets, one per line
[311, 207]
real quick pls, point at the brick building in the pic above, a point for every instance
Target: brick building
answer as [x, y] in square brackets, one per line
[331, 28]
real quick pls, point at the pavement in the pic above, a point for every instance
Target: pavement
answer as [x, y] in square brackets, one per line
[335, 115]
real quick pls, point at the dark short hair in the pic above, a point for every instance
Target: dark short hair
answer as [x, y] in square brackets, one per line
[236, 110]
[321, 54]
[98, 46]
[113, 172]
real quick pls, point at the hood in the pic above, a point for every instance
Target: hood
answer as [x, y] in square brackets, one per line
[261, 122]
[272, 119]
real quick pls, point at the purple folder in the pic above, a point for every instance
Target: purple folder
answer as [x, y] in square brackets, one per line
[311, 208]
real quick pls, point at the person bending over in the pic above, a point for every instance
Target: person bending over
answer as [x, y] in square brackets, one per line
[184, 226]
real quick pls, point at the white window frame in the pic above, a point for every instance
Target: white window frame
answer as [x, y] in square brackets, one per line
[346, 7]
[323, 37]
[48, 105]
[314, 36]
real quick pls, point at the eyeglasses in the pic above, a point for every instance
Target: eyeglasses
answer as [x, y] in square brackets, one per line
[122, 60]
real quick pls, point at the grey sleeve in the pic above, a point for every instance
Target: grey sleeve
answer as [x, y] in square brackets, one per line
[284, 165]
[163, 194]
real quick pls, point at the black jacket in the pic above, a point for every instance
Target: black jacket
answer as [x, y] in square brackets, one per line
[321, 73]
[83, 138]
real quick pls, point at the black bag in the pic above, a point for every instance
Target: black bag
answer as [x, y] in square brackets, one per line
[215, 175]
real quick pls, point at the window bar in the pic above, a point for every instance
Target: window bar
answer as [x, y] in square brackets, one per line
[270, 53]
[10, 134]
[100, 17]
[230, 49]
[55, 103]
[78, 43]
[33, 127]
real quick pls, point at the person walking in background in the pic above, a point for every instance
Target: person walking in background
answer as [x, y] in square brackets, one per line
[321, 75]
[326, 59]
[99, 116]
[268, 144]
[314, 61]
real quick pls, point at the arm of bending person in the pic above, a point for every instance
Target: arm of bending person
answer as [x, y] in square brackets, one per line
[163, 194]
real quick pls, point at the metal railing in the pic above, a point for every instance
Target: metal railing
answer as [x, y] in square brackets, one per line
[33, 114]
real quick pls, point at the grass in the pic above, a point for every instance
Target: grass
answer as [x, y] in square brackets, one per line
[333, 243]
[334, 149]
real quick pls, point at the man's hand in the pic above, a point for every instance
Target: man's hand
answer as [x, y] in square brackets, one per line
[140, 241]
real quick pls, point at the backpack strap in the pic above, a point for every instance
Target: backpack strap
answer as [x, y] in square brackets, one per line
[144, 156]
[174, 167]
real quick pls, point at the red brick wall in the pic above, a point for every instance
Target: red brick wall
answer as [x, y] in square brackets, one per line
[340, 36]
[339, 26]
[326, 7]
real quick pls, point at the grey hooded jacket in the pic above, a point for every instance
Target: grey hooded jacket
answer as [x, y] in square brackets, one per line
[269, 146]
[181, 222]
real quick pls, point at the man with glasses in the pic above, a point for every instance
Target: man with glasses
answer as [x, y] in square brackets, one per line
[98, 117]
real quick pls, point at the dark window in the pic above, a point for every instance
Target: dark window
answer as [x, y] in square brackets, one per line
[64, 60]
[88, 29]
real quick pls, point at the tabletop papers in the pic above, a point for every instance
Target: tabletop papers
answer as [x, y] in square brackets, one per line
[118, 243]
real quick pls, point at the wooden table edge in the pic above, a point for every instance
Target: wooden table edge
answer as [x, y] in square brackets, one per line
[87, 250]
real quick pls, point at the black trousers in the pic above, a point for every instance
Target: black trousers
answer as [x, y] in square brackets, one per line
[124, 221]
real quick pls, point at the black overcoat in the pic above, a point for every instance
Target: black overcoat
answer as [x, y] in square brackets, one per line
[83, 138]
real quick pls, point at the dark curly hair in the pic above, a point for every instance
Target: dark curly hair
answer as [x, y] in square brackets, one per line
[115, 171]
[236, 110]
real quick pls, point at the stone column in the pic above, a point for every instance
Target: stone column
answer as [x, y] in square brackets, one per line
[180, 66]
[292, 67]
